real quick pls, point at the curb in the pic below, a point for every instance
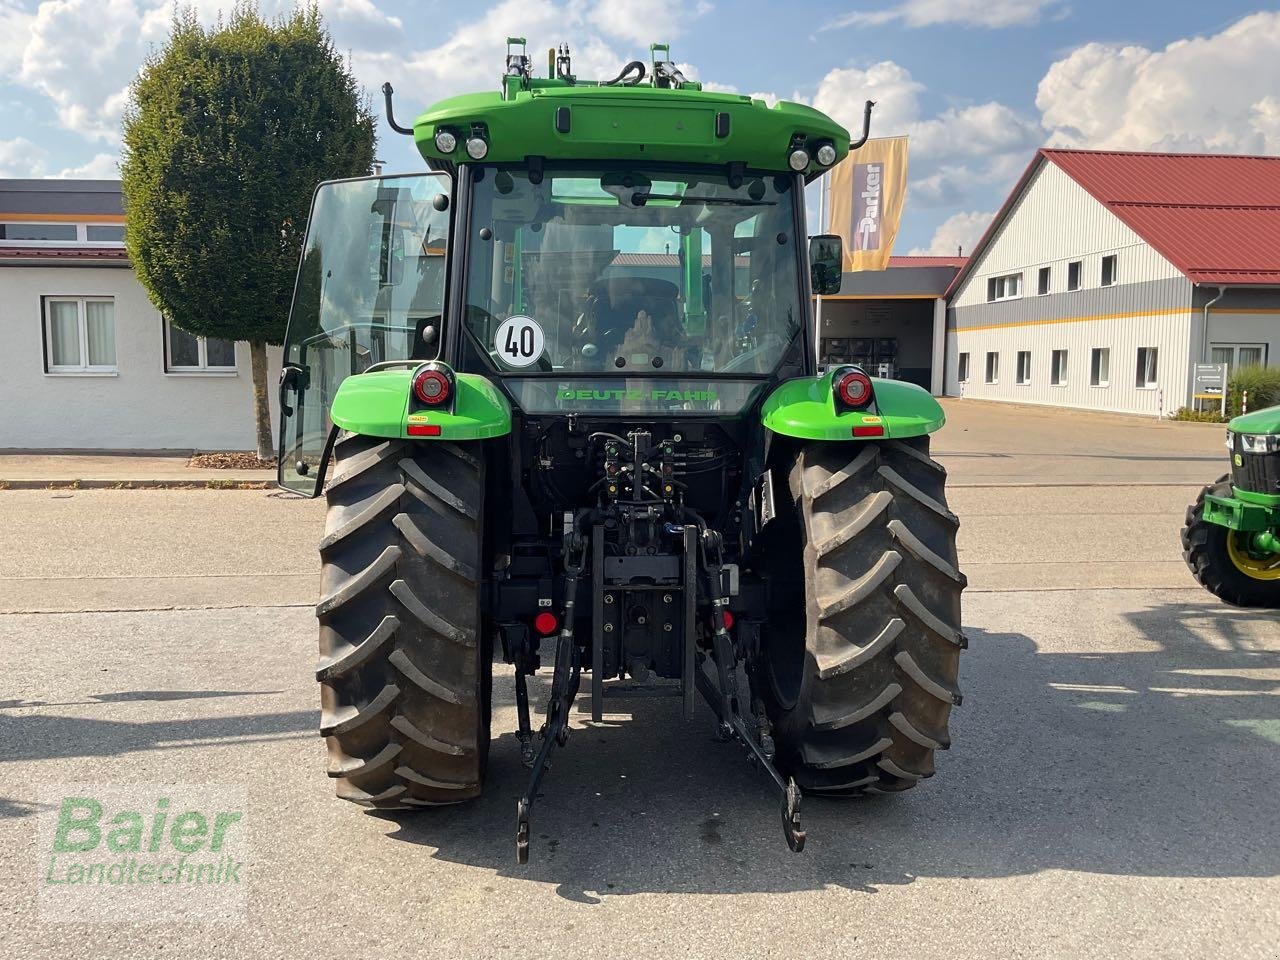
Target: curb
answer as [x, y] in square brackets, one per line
[62, 483]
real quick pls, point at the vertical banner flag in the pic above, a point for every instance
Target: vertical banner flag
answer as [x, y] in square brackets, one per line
[867, 193]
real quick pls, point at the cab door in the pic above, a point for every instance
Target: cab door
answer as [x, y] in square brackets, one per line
[370, 288]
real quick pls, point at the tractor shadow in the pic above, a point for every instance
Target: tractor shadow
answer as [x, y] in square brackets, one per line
[1158, 762]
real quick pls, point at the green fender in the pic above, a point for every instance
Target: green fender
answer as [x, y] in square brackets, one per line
[805, 408]
[376, 404]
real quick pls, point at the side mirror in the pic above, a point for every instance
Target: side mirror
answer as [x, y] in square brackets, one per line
[826, 260]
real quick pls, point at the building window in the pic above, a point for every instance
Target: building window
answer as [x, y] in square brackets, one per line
[38, 232]
[1004, 288]
[1024, 367]
[1073, 275]
[993, 367]
[1042, 284]
[1058, 370]
[104, 232]
[1237, 355]
[80, 335]
[1100, 367]
[1109, 275]
[16, 233]
[963, 372]
[185, 353]
[1147, 368]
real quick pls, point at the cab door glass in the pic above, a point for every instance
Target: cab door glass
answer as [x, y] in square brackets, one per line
[370, 288]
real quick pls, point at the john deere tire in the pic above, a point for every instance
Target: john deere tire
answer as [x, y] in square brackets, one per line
[1208, 550]
[861, 689]
[405, 668]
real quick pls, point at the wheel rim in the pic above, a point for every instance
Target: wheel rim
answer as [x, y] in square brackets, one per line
[1249, 565]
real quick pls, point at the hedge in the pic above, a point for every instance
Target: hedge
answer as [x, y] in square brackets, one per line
[1262, 384]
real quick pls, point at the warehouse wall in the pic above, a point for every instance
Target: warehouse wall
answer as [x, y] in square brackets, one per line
[139, 407]
[1054, 223]
[1170, 335]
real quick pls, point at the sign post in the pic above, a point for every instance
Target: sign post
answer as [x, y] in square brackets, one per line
[1209, 382]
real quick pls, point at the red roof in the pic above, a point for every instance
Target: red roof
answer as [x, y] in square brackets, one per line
[64, 253]
[910, 261]
[1216, 218]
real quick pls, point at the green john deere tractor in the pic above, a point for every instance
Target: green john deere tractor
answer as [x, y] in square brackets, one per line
[564, 391]
[1231, 540]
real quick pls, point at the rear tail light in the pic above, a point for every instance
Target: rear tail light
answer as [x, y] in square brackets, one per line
[853, 388]
[545, 623]
[728, 619]
[432, 387]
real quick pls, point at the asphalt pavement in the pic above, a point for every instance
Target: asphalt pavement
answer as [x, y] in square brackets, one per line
[1110, 791]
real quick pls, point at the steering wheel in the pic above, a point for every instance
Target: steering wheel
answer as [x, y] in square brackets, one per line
[771, 344]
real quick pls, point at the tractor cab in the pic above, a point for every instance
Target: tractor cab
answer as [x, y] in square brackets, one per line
[629, 247]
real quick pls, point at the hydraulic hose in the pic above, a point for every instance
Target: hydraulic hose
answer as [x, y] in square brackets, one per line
[635, 66]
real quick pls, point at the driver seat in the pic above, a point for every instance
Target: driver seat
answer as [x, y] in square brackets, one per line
[614, 302]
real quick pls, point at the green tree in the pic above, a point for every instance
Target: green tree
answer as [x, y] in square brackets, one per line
[228, 131]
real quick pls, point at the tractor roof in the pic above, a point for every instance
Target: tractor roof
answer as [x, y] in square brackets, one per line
[660, 120]
[1266, 420]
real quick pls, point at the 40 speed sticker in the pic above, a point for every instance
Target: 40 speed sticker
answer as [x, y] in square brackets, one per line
[519, 341]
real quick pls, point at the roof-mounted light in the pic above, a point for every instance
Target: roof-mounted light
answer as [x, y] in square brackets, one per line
[826, 154]
[798, 159]
[446, 142]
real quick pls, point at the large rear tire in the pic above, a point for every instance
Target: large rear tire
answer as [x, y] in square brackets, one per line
[405, 667]
[1220, 564]
[861, 689]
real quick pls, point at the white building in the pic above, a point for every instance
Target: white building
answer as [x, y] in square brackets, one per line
[1106, 275]
[91, 364]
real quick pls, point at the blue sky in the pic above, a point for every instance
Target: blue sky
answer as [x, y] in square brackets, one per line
[976, 84]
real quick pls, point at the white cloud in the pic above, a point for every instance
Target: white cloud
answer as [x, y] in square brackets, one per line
[1213, 93]
[21, 158]
[952, 153]
[103, 166]
[842, 92]
[15, 22]
[969, 13]
[644, 21]
[960, 231]
[82, 54]
[471, 58]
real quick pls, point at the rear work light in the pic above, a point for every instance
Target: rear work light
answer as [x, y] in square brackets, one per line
[432, 387]
[854, 389]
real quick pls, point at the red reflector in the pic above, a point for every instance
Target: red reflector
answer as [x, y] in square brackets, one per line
[429, 429]
[728, 620]
[868, 431]
[545, 623]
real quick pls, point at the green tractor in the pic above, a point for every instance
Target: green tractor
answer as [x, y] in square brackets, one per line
[565, 393]
[1231, 540]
